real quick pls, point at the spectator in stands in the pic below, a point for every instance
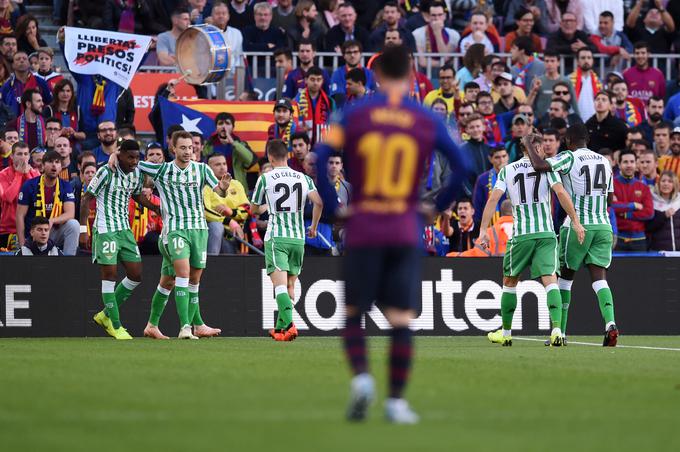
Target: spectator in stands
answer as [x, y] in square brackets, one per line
[356, 86]
[8, 46]
[570, 38]
[657, 29]
[391, 20]
[107, 134]
[544, 84]
[632, 204]
[45, 70]
[470, 92]
[498, 69]
[448, 89]
[9, 15]
[643, 80]
[640, 147]
[167, 41]
[220, 18]
[526, 66]
[485, 79]
[306, 26]
[664, 229]
[551, 142]
[525, 24]
[593, 10]
[80, 183]
[662, 138]
[154, 153]
[241, 14]
[472, 65]
[64, 108]
[52, 198]
[611, 41]
[329, 14]
[520, 127]
[283, 57]
[198, 144]
[30, 124]
[559, 109]
[647, 167]
[6, 148]
[672, 110]
[538, 11]
[28, 34]
[604, 129]
[283, 15]
[262, 36]
[199, 10]
[351, 51]
[586, 83]
[128, 132]
[301, 146]
[629, 109]
[495, 127]
[671, 161]
[498, 157]
[52, 132]
[218, 213]
[476, 150]
[346, 30]
[39, 243]
[21, 80]
[238, 154]
[435, 37]
[69, 166]
[655, 112]
[284, 126]
[507, 100]
[563, 90]
[314, 105]
[12, 179]
[635, 134]
[479, 33]
[463, 230]
[295, 81]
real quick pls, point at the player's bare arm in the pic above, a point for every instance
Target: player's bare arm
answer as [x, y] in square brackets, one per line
[223, 186]
[565, 201]
[316, 213]
[144, 202]
[531, 142]
[489, 210]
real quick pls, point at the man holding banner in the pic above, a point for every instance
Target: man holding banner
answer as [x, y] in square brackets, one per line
[103, 64]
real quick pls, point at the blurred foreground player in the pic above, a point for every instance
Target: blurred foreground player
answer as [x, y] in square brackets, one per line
[386, 140]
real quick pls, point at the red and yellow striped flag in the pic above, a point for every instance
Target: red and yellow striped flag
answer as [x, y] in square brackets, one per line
[252, 118]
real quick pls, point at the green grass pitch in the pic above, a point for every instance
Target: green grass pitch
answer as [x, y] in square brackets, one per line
[252, 394]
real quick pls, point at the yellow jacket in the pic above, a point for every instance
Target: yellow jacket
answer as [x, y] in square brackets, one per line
[236, 197]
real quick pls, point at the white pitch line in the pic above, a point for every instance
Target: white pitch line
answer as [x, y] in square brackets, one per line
[641, 347]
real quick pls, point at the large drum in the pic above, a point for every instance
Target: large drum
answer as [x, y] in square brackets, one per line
[202, 54]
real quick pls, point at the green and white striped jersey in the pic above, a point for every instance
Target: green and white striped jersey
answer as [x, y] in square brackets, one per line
[529, 192]
[181, 193]
[113, 188]
[588, 178]
[285, 191]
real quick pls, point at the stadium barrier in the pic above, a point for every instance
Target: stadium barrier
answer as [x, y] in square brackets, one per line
[57, 297]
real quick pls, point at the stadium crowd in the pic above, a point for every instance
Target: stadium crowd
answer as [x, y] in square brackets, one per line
[58, 126]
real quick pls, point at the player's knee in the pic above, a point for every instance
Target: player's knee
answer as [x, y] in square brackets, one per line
[510, 281]
[399, 318]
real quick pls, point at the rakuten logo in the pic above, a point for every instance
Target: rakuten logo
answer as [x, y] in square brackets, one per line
[12, 305]
[438, 300]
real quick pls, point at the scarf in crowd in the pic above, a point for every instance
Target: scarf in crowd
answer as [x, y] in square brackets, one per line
[431, 41]
[521, 76]
[414, 91]
[18, 88]
[41, 207]
[490, 183]
[631, 114]
[577, 82]
[320, 114]
[40, 129]
[492, 135]
[98, 101]
[6, 23]
[285, 133]
[139, 221]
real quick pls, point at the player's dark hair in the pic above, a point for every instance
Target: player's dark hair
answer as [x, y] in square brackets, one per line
[277, 149]
[558, 123]
[224, 116]
[52, 156]
[635, 129]
[619, 81]
[129, 145]
[39, 220]
[488, 61]
[393, 63]
[605, 151]
[437, 4]
[180, 134]
[300, 136]
[357, 75]
[314, 70]
[349, 44]
[577, 133]
[471, 85]
[525, 44]
[27, 96]
[438, 101]
[335, 154]
[607, 14]
[19, 145]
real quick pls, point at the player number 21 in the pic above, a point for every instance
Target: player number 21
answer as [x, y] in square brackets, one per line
[391, 164]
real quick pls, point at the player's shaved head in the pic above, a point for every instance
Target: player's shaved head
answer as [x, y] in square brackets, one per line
[277, 150]
[577, 134]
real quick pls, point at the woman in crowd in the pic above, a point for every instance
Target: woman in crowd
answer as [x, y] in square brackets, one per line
[64, 107]
[9, 15]
[5, 69]
[663, 230]
[28, 34]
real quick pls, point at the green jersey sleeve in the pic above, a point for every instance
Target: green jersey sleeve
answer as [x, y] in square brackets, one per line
[99, 180]
[140, 184]
[310, 183]
[500, 181]
[258, 193]
[562, 162]
[151, 169]
[210, 178]
[553, 178]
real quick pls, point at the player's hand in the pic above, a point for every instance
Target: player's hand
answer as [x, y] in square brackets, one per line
[536, 84]
[113, 160]
[580, 232]
[225, 181]
[311, 232]
[483, 240]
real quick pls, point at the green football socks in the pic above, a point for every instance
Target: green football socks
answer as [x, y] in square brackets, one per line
[194, 308]
[285, 305]
[565, 294]
[110, 305]
[158, 302]
[605, 300]
[508, 306]
[182, 300]
[124, 290]
[554, 305]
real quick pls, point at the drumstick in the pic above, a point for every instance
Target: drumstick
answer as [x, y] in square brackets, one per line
[186, 74]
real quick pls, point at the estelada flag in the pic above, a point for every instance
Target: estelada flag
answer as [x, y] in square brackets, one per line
[252, 118]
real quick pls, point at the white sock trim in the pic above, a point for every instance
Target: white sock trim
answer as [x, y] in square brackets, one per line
[278, 290]
[550, 287]
[181, 282]
[507, 289]
[193, 288]
[108, 286]
[599, 285]
[163, 290]
[507, 333]
[129, 284]
[565, 284]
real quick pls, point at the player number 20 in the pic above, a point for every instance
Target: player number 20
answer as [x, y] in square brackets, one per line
[109, 247]
[391, 164]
